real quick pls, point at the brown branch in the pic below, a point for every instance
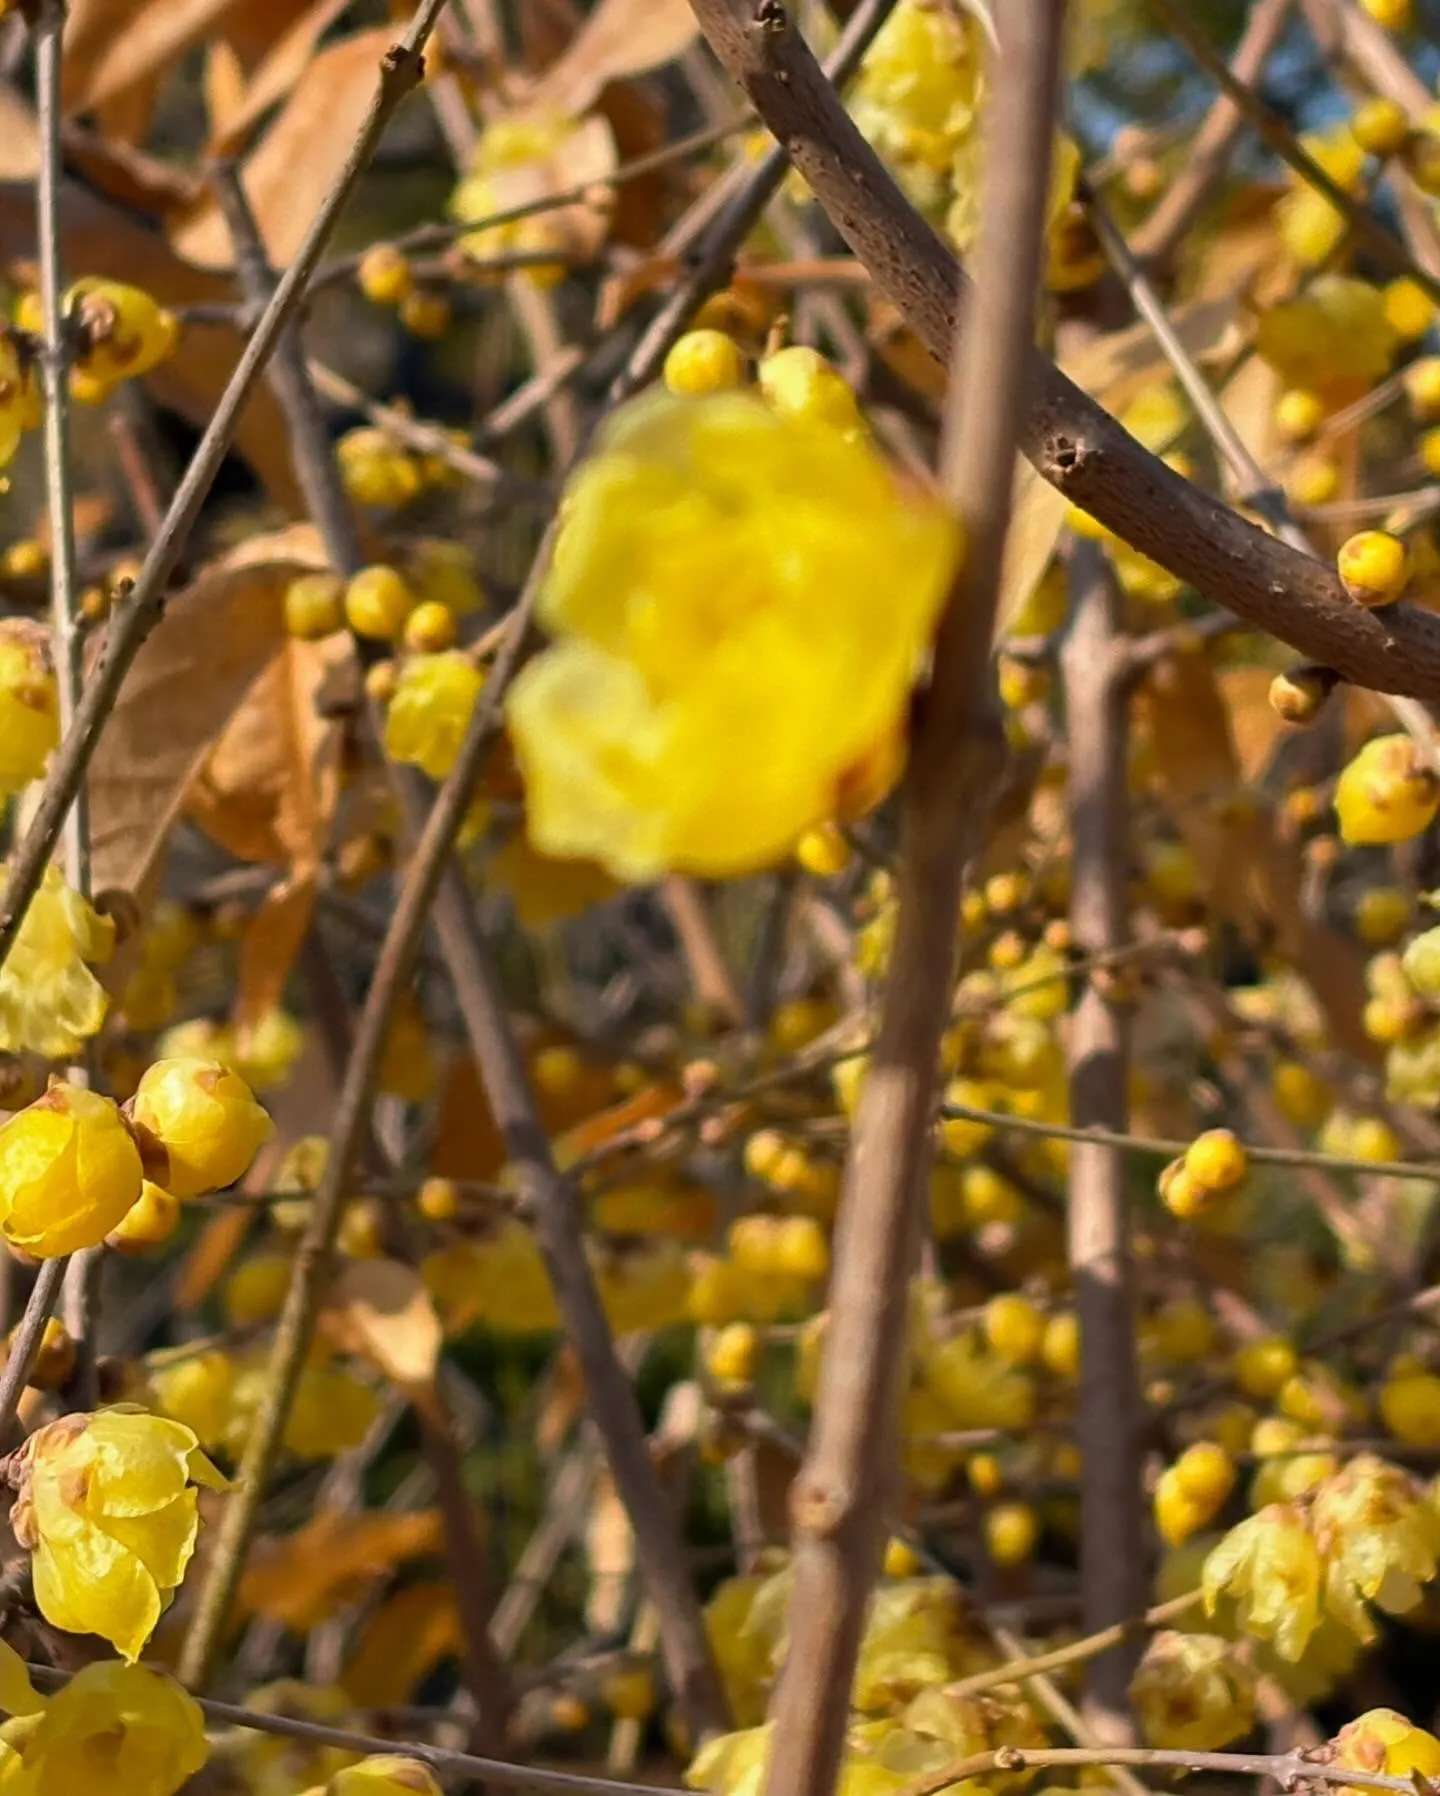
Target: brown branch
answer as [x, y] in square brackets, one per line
[1093, 660]
[1072, 441]
[839, 1498]
[1208, 153]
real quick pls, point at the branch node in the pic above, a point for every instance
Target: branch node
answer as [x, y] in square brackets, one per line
[818, 1508]
[772, 18]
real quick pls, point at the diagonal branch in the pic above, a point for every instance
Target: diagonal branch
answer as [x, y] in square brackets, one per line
[838, 1502]
[1073, 442]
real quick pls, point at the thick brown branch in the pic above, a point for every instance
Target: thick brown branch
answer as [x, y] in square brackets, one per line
[1073, 442]
[1111, 1579]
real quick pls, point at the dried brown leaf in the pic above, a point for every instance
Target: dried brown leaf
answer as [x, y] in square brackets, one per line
[381, 1310]
[1117, 366]
[269, 946]
[268, 788]
[610, 1553]
[294, 165]
[215, 640]
[401, 1643]
[301, 1579]
[620, 38]
[112, 45]
[283, 66]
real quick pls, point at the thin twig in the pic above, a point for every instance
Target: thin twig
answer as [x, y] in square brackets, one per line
[39, 1307]
[839, 1499]
[1208, 152]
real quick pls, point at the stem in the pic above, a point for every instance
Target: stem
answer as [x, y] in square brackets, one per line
[39, 1307]
[1111, 1578]
[1208, 154]
[839, 1498]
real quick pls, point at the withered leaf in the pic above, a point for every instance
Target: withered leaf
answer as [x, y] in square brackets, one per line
[291, 169]
[302, 1578]
[381, 1309]
[620, 38]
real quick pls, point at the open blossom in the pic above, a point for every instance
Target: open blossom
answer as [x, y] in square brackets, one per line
[741, 602]
[50, 1001]
[112, 1727]
[1270, 1566]
[108, 1507]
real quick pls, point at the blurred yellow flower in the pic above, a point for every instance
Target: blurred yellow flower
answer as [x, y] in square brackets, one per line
[29, 697]
[742, 602]
[121, 1728]
[108, 1507]
[50, 1001]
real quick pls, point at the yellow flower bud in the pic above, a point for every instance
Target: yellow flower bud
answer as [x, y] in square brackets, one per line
[1383, 1740]
[431, 709]
[388, 1774]
[112, 1727]
[108, 1507]
[205, 1120]
[124, 333]
[69, 1171]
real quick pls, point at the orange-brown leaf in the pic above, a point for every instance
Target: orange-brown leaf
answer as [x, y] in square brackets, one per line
[381, 1309]
[620, 38]
[293, 166]
[301, 1579]
[401, 1643]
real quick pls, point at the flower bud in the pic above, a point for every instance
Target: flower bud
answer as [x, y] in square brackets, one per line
[205, 1120]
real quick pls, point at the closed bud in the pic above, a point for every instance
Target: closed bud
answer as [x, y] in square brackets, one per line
[205, 1121]
[1299, 695]
[69, 1171]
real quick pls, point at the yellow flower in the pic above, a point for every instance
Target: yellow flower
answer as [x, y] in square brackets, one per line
[386, 1775]
[1336, 330]
[198, 1392]
[29, 697]
[111, 1728]
[742, 602]
[431, 711]
[12, 393]
[332, 1411]
[108, 1507]
[1379, 1538]
[50, 1001]
[205, 1118]
[1271, 1567]
[69, 1172]
[1193, 1690]
[107, 1718]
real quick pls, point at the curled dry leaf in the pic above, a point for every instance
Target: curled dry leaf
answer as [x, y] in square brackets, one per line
[301, 1579]
[284, 64]
[620, 38]
[217, 637]
[381, 1309]
[295, 163]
